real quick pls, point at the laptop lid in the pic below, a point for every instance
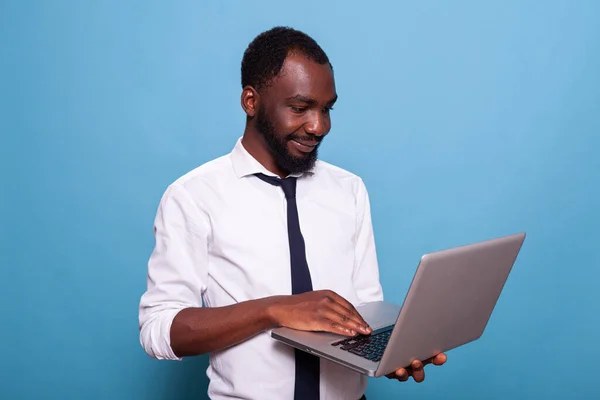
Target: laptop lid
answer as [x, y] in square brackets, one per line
[450, 300]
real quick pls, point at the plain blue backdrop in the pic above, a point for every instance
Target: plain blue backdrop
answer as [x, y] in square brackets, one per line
[466, 119]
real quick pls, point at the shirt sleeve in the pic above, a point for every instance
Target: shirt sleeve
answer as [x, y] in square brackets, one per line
[177, 270]
[366, 269]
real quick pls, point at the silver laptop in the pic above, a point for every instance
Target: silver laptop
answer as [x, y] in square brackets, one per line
[448, 304]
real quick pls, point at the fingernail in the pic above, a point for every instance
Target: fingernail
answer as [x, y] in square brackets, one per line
[366, 328]
[352, 332]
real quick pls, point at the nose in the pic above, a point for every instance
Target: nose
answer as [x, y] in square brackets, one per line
[317, 125]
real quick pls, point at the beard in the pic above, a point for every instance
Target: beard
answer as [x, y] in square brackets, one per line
[278, 146]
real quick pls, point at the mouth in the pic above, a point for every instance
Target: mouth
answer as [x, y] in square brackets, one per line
[304, 146]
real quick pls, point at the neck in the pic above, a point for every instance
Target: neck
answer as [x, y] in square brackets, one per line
[256, 145]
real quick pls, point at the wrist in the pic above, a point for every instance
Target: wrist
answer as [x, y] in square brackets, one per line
[272, 311]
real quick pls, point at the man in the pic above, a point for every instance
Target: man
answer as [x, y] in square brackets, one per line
[266, 236]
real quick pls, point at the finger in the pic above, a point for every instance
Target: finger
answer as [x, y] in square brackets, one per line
[336, 322]
[333, 326]
[344, 321]
[347, 318]
[347, 305]
[440, 359]
[418, 373]
[402, 374]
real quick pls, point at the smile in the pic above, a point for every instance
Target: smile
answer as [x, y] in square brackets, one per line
[304, 147]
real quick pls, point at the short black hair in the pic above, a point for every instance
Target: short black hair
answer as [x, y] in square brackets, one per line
[265, 55]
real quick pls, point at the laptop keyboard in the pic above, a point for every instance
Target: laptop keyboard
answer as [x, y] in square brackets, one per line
[370, 347]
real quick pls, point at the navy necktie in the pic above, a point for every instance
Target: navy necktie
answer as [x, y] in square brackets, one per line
[307, 366]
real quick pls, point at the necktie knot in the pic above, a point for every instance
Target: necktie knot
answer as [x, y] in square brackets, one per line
[288, 184]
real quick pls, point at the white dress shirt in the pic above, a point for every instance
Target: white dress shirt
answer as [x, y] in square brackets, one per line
[221, 238]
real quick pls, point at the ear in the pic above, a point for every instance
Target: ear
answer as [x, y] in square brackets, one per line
[250, 99]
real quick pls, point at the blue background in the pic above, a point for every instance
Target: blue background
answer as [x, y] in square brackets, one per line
[466, 119]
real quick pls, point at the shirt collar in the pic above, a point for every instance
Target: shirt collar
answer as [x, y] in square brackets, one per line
[245, 164]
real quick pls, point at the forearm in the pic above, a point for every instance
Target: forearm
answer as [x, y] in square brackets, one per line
[196, 331]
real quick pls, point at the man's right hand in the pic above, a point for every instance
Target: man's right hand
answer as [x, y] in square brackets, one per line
[322, 310]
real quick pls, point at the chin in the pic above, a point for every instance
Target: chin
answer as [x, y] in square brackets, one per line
[295, 153]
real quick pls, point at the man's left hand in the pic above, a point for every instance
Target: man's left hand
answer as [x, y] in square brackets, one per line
[416, 369]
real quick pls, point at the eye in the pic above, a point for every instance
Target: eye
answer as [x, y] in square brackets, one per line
[298, 110]
[326, 110]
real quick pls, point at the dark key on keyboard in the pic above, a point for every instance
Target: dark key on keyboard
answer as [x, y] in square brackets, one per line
[350, 346]
[370, 347]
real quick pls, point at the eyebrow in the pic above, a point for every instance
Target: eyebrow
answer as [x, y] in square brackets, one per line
[310, 101]
[330, 102]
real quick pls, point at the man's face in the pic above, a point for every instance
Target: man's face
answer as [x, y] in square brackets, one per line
[293, 116]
